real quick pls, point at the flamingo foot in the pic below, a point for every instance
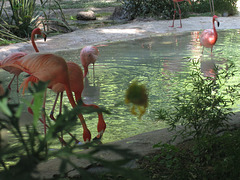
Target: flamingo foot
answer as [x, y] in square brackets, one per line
[171, 26]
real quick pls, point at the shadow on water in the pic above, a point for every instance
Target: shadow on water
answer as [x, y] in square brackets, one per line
[158, 62]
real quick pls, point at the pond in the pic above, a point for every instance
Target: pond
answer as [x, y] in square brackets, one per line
[158, 62]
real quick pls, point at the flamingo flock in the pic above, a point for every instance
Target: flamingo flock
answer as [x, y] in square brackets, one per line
[208, 37]
[64, 75]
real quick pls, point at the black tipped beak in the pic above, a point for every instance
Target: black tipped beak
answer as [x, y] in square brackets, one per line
[44, 36]
[218, 23]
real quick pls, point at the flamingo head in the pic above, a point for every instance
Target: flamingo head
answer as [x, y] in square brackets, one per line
[86, 135]
[40, 32]
[215, 18]
[101, 125]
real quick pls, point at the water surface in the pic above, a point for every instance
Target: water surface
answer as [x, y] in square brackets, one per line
[158, 62]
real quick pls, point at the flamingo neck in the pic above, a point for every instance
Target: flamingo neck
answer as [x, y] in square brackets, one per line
[215, 31]
[70, 96]
[72, 102]
[33, 41]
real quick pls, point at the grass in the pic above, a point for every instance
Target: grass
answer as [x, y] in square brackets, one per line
[7, 42]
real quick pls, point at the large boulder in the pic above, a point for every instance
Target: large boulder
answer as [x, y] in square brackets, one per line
[86, 15]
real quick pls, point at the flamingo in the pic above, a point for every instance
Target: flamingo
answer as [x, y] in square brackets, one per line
[15, 56]
[88, 55]
[179, 10]
[52, 69]
[209, 37]
[77, 86]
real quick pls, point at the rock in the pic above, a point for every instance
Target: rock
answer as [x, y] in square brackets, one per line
[225, 14]
[86, 15]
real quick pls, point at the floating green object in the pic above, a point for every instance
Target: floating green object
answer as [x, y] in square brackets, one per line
[137, 95]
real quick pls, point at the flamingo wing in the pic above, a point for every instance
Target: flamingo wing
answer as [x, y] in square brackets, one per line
[207, 38]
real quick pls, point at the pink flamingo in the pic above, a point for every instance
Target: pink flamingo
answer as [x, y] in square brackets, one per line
[52, 69]
[77, 85]
[179, 10]
[88, 55]
[209, 37]
[15, 56]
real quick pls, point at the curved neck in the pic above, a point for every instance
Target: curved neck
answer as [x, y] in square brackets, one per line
[33, 41]
[214, 30]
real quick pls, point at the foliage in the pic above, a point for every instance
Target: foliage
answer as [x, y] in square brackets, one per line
[23, 14]
[215, 157]
[32, 147]
[153, 8]
[220, 6]
[5, 34]
[25, 17]
[202, 108]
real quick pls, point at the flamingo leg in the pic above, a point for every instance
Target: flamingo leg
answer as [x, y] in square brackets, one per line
[53, 108]
[43, 112]
[86, 132]
[101, 123]
[60, 112]
[180, 15]
[210, 7]
[17, 85]
[29, 109]
[60, 139]
[9, 85]
[93, 72]
[174, 14]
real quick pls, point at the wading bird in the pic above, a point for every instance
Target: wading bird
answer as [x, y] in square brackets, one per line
[88, 55]
[52, 69]
[209, 37]
[77, 86]
[15, 56]
[179, 10]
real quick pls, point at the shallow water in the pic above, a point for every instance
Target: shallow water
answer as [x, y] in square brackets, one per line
[158, 62]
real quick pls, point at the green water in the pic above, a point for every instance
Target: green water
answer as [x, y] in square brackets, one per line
[158, 62]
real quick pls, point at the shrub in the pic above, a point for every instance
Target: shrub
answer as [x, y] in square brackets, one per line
[202, 107]
[152, 8]
[220, 6]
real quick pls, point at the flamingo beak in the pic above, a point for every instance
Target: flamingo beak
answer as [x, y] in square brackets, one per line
[44, 36]
[218, 23]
